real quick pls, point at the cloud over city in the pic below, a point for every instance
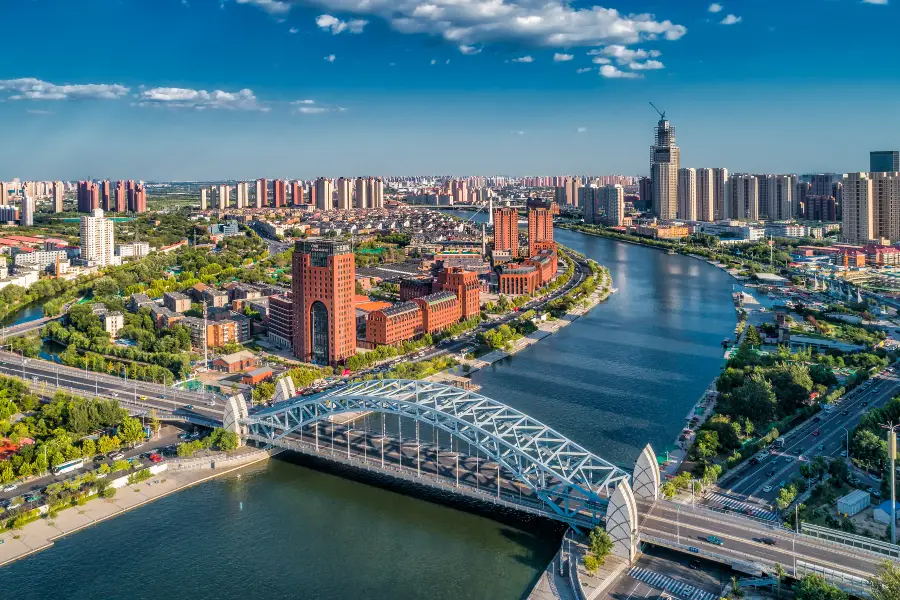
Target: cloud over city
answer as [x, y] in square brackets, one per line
[30, 88]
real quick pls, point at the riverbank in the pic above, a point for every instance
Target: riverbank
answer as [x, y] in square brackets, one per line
[544, 329]
[42, 533]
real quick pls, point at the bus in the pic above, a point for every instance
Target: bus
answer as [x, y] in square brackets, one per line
[68, 467]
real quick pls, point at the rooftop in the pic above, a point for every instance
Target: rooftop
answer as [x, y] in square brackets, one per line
[400, 309]
[237, 356]
[439, 297]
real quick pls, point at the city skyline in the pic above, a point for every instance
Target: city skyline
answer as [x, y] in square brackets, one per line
[490, 94]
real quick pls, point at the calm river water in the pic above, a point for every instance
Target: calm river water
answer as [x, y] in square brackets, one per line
[626, 374]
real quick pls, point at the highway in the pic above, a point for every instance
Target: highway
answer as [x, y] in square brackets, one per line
[824, 435]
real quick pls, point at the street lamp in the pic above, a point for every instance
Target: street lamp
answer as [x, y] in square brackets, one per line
[892, 452]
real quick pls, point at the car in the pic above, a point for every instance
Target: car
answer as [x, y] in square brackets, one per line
[184, 436]
[189, 406]
[143, 398]
[816, 432]
[32, 497]
[695, 565]
[155, 458]
[843, 454]
[874, 477]
[754, 461]
[865, 403]
[766, 541]
[770, 473]
[117, 455]
[767, 489]
[844, 413]
[10, 488]
[817, 419]
[99, 458]
[138, 445]
[714, 540]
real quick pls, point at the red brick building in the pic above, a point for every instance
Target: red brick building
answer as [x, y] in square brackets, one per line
[464, 284]
[545, 263]
[540, 228]
[414, 288]
[323, 291]
[297, 193]
[506, 230]
[394, 325]
[517, 279]
[279, 193]
[439, 311]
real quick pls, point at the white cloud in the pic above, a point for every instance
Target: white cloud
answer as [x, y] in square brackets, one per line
[469, 49]
[715, 7]
[560, 57]
[730, 20]
[311, 107]
[581, 130]
[519, 132]
[330, 58]
[601, 60]
[30, 88]
[273, 7]
[38, 111]
[553, 23]
[584, 70]
[199, 99]
[879, 2]
[650, 65]
[337, 26]
[294, 30]
[611, 72]
[433, 61]
[624, 55]
[524, 59]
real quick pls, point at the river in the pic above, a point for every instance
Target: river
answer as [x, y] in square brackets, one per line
[625, 374]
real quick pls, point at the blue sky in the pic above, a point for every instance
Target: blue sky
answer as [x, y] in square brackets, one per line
[205, 89]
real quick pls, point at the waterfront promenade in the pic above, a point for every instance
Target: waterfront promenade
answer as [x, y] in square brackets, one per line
[41, 534]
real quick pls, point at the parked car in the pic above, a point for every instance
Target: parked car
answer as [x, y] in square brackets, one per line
[117, 455]
[695, 565]
[816, 432]
[155, 458]
[10, 488]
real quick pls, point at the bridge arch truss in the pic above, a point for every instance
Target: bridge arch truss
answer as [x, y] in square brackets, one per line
[571, 481]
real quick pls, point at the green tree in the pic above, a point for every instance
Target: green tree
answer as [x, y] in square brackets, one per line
[886, 583]
[706, 445]
[591, 564]
[131, 430]
[752, 337]
[228, 441]
[88, 448]
[814, 587]
[6, 472]
[600, 543]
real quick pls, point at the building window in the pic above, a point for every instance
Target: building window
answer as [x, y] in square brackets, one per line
[319, 333]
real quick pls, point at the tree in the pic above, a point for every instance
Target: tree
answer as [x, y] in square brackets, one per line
[228, 441]
[591, 564]
[131, 430]
[706, 444]
[886, 583]
[88, 448]
[6, 473]
[814, 587]
[155, 423]
[780, 574]
[601, 544]
[752, 337]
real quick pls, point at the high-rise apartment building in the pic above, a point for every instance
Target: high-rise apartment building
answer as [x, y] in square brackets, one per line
[611, 200]
[540, 228]
[664, 164]
[360, 200]
[780, 197]
[589, 199]
[323, 289]
[324, 193]
[26, 214]
[884, 161]
[204, 198]
[720, 197]
[5, 190]
[687, 194]
[506, 231]
[242, 195]
[886, 209]
[376, 193]
[820, 208]
[645, 192]
[858, 224]
[743, 197]
[222, 193]
[706, 195]
[58, 191]
[279, 193]
[297, 193]
[105, 196]
[88, 196]
[262, 193]
[97, 238]
[344, 197]
[801, 192]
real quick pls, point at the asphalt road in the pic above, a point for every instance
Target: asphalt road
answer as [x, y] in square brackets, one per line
[710, 577]
[804, 441]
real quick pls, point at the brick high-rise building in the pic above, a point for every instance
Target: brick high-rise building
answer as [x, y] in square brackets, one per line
[105, 200]
[58, 191]
[121, 201]
[279, 193]
[137, 197]
[540, 228]
[439, 311]
[465, 285]
[323, 288]
[88, 194]
[297, 193]
[506, 230]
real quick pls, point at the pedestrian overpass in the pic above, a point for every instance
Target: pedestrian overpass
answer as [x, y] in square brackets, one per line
[554, 476]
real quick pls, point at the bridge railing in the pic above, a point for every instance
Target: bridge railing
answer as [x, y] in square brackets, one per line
[373, 463]
[844, 539]
[751, 567]
[849, 583]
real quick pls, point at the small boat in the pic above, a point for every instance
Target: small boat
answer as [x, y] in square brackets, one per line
[614, 290]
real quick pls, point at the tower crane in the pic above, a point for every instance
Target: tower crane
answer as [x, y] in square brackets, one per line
[662, 114]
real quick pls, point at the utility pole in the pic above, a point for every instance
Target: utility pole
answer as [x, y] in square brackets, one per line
[892, 452]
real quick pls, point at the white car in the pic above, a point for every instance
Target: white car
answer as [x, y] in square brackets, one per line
[10, 488]
[767, 489]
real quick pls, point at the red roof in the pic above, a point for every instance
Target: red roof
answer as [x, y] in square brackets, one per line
[25, 239]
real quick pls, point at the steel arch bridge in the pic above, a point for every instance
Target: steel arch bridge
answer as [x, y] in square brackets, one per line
[569, 479]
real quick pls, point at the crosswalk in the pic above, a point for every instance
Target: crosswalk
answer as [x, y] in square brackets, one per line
[666, 583]
[743, 507]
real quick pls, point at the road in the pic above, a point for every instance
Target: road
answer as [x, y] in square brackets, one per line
[673, 568]
[824, 435]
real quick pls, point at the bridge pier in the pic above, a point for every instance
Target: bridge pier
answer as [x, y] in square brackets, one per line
[284, 390]
[622, 522]
[235, 411]
[646, 475]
